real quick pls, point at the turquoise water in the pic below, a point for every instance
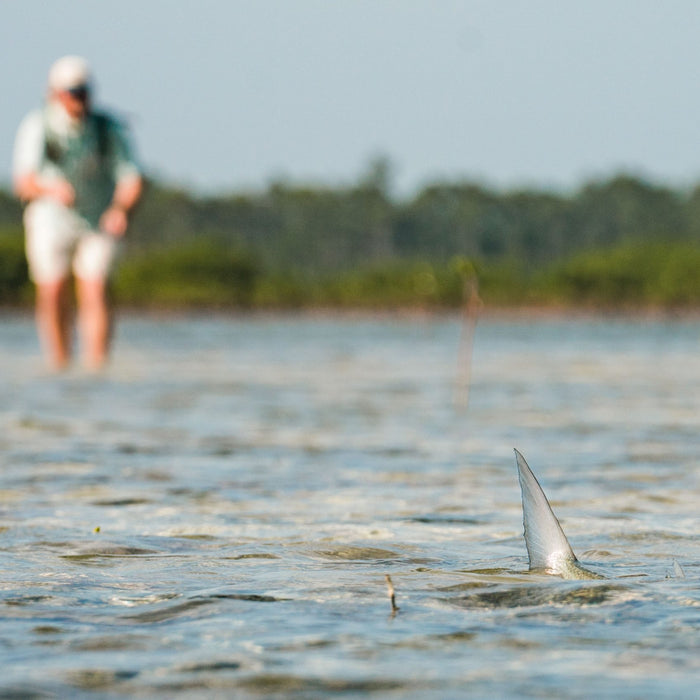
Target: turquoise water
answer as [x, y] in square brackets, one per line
[216, 515]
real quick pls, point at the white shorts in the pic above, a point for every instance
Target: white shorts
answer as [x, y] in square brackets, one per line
[58, 241]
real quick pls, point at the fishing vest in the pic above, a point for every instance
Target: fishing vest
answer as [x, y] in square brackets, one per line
[88, 160]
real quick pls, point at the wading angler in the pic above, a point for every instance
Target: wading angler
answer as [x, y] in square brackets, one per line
[75, 170]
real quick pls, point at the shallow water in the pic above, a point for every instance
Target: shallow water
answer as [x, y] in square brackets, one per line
[216, 515]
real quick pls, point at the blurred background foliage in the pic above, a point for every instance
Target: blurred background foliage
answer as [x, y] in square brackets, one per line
[619, 243]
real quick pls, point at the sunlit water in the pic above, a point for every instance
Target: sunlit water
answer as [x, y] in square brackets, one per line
[216, 515]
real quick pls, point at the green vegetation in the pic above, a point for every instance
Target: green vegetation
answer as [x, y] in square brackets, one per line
[14, 278]
[622, 243]
[198, 272]
[650, 274]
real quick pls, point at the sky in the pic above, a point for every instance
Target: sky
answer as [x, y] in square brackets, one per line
[231, 95]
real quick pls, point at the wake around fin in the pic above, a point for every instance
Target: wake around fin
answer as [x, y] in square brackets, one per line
[546, 543]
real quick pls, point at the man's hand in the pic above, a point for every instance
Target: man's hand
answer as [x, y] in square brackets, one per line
[114, 221]
[62, 191]
[29, 187]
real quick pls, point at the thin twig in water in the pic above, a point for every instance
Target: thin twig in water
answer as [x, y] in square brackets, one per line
[392, 594]
[472, 306]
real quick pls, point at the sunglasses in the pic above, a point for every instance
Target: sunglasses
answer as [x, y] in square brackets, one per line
[79, 92]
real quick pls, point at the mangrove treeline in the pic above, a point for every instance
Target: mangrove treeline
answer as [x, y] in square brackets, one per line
[622, 242]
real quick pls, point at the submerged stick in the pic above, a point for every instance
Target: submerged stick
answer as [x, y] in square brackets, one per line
[472, 306]
[392, 594]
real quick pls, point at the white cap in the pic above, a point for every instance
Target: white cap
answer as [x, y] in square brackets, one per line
[69, 72]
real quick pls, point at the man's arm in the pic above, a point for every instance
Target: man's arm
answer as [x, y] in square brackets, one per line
[126, 195]
[28, 151]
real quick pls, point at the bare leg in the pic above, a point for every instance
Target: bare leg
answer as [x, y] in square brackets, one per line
[53, 318]
[94, 322]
